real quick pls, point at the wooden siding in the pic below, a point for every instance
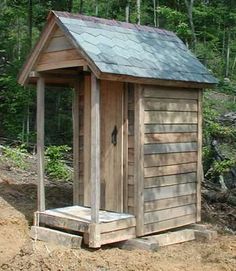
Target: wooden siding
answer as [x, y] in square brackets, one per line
[86, 139]
[130, 149]
[170, 157]
[59, 53]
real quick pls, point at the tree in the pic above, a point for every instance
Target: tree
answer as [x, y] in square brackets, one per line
[189, 5]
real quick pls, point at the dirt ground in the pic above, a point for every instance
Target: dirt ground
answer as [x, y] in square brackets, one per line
[19, 252]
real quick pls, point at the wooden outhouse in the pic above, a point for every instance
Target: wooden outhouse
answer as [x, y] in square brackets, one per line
[137, 126]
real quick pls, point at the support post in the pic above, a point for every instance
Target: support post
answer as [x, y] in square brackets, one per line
[40, 142]
[139, 158]
[200, 174]
[75, 106]
[94, 234]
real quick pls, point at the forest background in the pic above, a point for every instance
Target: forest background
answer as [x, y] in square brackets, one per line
[207, 27]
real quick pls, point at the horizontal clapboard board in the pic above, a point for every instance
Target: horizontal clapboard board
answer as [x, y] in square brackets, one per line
[156, 205]
[170, 213]
[170, 170]
[170, 148]
[170, 223]
[170, 128]
[170, 137]
[169, 117]
[170, 105]
[170, 180]
[164, 192]
[152, 160]
[155, 92]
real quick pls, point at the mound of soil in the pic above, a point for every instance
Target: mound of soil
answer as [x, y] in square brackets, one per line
[19, 252]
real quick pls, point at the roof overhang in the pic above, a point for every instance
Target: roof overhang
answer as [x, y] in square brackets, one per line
[52, 23]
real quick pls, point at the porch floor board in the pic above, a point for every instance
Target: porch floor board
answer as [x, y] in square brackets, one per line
[114, 226]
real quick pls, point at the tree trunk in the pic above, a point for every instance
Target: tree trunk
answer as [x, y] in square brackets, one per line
[227, 60]
[189, 6]
[81, 6]
[138, 12]
[96, 8]
[156, 5]
[30, 22]
[127, 11]
[70, 5]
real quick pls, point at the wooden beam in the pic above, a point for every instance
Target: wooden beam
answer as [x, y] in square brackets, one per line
[75, 113]
[56, 237]
[199, 158]
[152, 81]
[40, 142]
[139, 158]
[94, 235]
[125, 148]
[87, 138]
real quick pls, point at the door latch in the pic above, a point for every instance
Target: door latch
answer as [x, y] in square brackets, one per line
[114, 136]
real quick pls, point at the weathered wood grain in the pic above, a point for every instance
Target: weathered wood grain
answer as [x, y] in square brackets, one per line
[157, 193]
[112, 154]
[170, 105]
[118, 225]
[56, 237]
[117, 236]
[59, 56]
[169, 148]
[169, 138]
[170, 170]
[95, 151]
[87, 139]
[40, 143]
[170, 128]
[170, 180]
[138, 157]
[164, 117]
[58, 43]
[151, 206]
[200, 174]
[166, 159]
[169, 224]
[162, 92]
[166, 214]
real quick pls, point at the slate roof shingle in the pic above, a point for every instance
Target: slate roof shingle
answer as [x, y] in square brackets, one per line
[133, 50]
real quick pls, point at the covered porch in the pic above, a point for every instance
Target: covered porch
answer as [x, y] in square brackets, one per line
[98, 227]
[112, 227]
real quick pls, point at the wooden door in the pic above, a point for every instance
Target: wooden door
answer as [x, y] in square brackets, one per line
[112, 146]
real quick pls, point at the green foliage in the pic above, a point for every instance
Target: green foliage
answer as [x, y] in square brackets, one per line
[56, 167]
[15, 156]
[215, 27]
[220, 167]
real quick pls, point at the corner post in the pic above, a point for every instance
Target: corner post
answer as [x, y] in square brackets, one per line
[199, 156]
[94, 232]
[139, 158]
[75, 117]
[40, 142]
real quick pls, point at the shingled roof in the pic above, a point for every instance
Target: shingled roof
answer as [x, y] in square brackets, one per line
[133, 50]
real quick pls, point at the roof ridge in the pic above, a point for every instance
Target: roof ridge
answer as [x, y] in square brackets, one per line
[112, 22]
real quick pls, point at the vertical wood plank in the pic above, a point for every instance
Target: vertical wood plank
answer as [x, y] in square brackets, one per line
[75, 112]
[87, 138]
[125, 149]
[94, 232]
[139, 158]
[199, 159]
[40, 142]
[95, 149]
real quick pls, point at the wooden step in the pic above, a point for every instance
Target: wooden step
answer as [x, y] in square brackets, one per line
[56, 237]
